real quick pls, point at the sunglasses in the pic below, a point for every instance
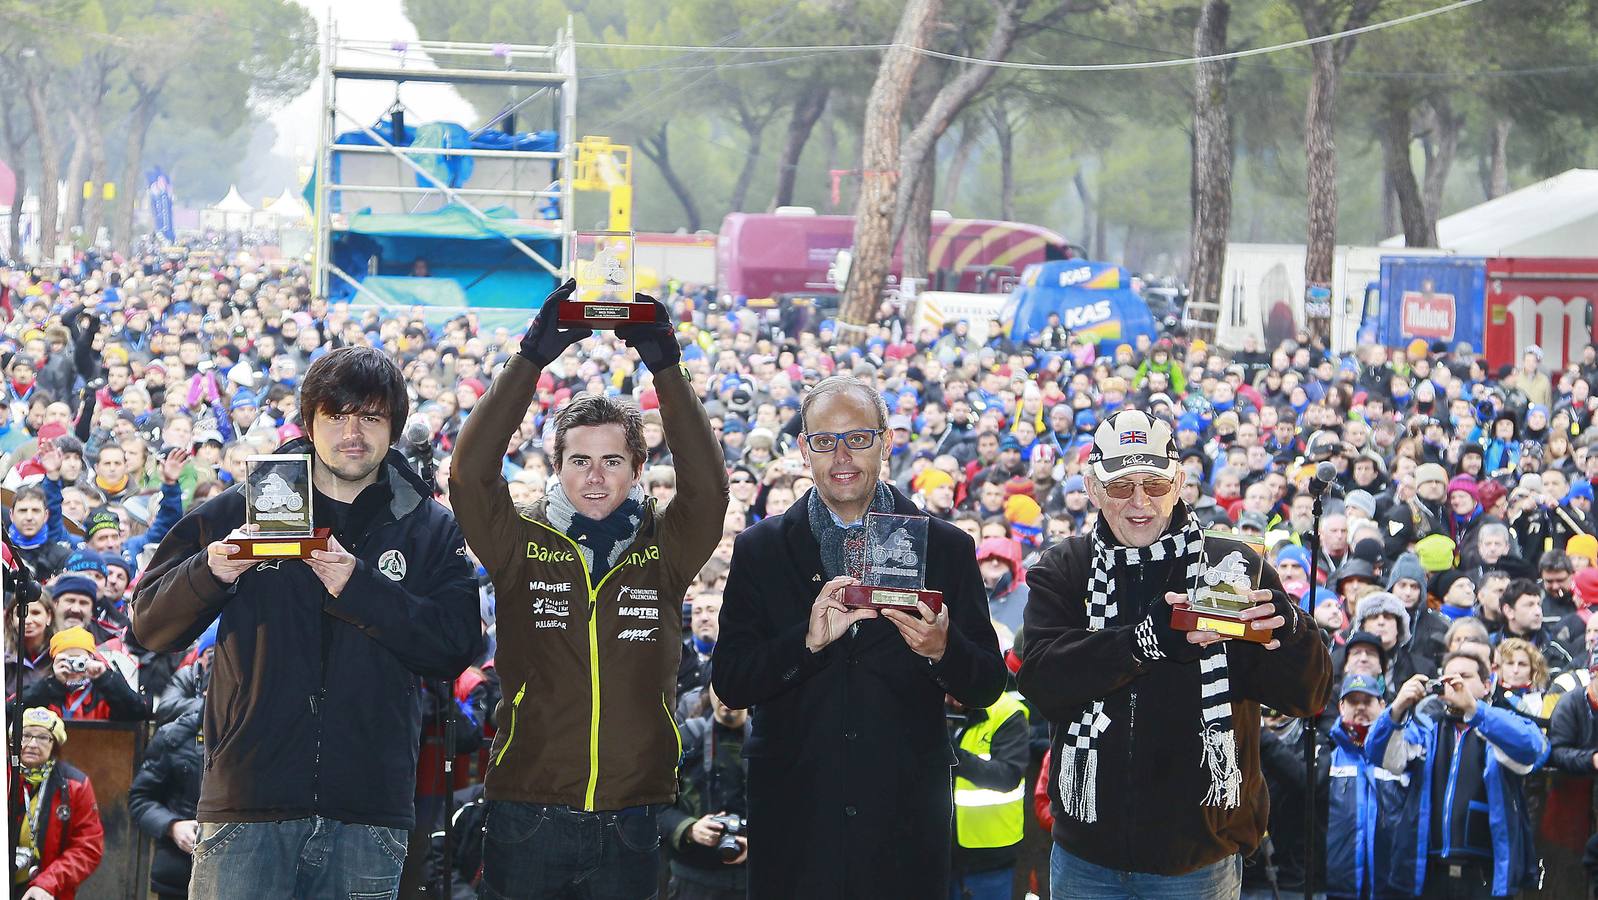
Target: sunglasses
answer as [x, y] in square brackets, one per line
[744, 480]
[1154, 487]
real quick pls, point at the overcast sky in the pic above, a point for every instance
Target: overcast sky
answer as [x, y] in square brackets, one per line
[383, 20]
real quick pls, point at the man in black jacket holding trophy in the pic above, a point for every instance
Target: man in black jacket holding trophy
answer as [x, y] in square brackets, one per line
[1155, 776]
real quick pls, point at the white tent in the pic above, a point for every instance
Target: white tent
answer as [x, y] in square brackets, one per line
[1556, 217]
[288, 208]
[231, 213]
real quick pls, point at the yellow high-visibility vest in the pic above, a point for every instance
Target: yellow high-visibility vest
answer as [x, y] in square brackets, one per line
[985, 818]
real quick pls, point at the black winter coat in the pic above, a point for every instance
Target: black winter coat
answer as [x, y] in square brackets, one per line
[312, 706]
[1150, 782]
[164, 791]
[850, 793]
[1573, 734]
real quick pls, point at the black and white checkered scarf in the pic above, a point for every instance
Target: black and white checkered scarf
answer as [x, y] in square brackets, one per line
[1079, 755]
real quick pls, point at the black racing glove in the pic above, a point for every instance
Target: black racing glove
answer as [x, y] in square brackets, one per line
[545, 340]
[1292, 618]
[654, 342]
[1154, 638]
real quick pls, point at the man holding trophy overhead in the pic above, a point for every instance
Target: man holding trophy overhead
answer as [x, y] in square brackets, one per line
[589, 583]
[845, 622]
[337, 581]
[1150, 647]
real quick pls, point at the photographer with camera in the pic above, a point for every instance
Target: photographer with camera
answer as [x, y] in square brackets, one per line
[1471, 759]
[83, 685]
[705, 831]
[59, 838]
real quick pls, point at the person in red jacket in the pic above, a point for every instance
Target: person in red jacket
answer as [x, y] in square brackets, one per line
[58, 821]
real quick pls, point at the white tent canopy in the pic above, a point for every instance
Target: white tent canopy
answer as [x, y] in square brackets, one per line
[1556, 217]
[289, 206]
[234, 202]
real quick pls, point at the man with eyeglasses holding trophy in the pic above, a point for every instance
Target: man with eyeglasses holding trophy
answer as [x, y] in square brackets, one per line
[1150, 646]
[845, 622]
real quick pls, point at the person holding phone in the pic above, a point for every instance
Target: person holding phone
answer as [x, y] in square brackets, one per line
[1472, 759]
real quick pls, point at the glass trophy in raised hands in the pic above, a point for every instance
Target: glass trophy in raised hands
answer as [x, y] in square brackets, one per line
[602, 264]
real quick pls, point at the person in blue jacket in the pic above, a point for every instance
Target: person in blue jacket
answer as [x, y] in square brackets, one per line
[1466, 801]
[1364, 802]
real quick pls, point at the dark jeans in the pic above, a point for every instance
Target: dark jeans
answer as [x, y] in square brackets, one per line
[532, 852]
[687, 890]
[301, 858]
[1073, 878]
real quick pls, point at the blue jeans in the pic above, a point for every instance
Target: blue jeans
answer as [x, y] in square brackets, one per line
[532, 851]
[991, 885]
[1071, 878]
[300, 858]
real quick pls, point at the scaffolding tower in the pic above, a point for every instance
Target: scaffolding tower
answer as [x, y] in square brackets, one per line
[384, 175]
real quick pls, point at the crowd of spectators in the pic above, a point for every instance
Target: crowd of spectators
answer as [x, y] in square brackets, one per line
[135, 389]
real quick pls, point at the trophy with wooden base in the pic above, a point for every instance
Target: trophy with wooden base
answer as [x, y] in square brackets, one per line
[277, 509]
[602, 264]
[895, 570]
[1229, 571]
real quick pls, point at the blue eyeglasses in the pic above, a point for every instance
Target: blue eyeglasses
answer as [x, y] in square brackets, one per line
[827, 441]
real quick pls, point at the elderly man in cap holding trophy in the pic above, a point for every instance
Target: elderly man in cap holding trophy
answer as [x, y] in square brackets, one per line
[1150, 647]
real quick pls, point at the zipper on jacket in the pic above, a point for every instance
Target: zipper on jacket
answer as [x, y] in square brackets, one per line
[593, 663]
[1453, 779]
[1131, 742]
[510, 734]
[672, 721]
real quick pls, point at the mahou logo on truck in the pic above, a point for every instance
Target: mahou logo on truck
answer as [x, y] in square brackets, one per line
[1428, 315]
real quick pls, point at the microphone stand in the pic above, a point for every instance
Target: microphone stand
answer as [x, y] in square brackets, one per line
[1312, 721]
[24, 589]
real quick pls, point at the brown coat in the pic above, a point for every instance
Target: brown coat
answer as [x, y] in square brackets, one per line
[588, 663]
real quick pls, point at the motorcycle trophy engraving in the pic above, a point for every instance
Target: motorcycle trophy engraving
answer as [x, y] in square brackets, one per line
[602, 264]
[895, 567]
[1229, 570]
[277, 509]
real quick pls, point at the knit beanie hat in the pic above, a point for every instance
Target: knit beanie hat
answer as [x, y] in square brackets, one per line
[74, 638]
[1436, 552]
[1379, 603]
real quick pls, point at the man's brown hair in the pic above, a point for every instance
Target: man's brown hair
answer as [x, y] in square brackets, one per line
[587, 410]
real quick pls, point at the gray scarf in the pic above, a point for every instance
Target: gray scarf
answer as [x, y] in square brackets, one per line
[559, 510]
[843, 550]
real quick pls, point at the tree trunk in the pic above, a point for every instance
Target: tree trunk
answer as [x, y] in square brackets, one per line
[17, 153]
[1212, 162]
[132, 164]
[1088, 210]
[1004, 133]
[918, 230]
[94, 213]
[756, 129]
[77, 164]
[806, 112]
[1389, 203]
[658, 148]
[44, 141]
[950, 100]
[1440, 153]
[1321, 158]
[1320, 150]
[957, 166]
[879, 175]
[1499, 183]
[1419, 229]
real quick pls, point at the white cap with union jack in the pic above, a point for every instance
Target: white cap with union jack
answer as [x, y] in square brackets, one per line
[1129, 442]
